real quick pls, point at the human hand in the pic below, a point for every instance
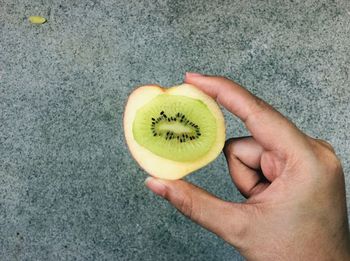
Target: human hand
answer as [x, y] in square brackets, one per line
[294, 185]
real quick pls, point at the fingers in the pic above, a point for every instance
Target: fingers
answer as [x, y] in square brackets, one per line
[222, 218]
[270, 128]
[246, 149]
[243, 158]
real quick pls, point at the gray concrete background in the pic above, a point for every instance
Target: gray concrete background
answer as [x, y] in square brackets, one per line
[69, 189]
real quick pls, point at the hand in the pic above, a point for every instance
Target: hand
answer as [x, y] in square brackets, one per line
[294, 185]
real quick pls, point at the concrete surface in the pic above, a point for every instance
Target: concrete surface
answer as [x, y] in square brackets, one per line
[69, 189]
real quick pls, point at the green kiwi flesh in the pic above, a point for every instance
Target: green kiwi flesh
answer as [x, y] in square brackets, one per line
[175, 127]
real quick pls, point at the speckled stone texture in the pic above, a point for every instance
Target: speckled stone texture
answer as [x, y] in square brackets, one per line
[69, 189]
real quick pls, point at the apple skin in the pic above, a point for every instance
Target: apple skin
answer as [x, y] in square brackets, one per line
[153, 164]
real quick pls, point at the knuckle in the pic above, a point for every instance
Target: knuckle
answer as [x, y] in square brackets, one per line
[326, 144]
[257, 108]
[186, 207]
[258, 105]
[326, 155]
[241, 230]
[241, 226]
[334, 163]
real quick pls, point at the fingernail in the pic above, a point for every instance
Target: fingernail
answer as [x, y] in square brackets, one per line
[155, 186]
[193, 74]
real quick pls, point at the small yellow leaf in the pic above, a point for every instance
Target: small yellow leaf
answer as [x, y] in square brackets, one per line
[37, 19]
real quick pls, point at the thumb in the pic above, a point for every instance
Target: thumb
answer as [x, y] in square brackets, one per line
[227, 220]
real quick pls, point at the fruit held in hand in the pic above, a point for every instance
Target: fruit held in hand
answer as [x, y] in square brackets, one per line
[173, 132]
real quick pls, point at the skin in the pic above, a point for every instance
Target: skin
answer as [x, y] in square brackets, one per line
[294, 185]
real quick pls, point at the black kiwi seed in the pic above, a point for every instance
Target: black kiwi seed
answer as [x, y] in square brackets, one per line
[162, 112]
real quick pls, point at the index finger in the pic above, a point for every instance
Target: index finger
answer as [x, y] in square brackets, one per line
[269, 127]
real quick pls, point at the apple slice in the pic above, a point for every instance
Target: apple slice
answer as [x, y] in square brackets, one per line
[173, 132]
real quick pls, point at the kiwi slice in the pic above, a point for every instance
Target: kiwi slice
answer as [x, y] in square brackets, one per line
[175, 127]
[172, 132]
